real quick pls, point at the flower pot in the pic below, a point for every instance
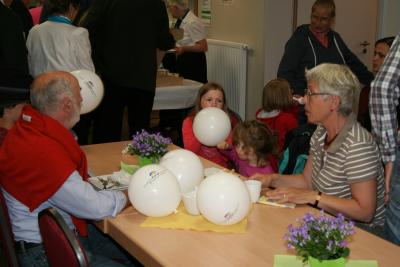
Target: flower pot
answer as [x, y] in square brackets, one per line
[340, 262]
[143, 161]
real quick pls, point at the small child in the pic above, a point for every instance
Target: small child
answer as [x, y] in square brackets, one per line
[278, 111]
[254, 145]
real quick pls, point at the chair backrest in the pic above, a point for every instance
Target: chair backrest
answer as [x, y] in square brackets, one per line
[296, 149]
[61, 245]
[6, 235]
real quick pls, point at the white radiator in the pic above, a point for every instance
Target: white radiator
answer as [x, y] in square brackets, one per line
[227, 65]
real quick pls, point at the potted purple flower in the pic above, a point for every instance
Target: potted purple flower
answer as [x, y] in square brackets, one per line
[149, 147]
[321, 240]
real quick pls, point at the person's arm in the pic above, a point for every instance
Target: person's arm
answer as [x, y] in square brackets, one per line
[384, 96]
[358, 68]
[190, 142]
[79, 198]
[227, 150]
[361, 206]
[165, 40]
[199, 46]
[289, 66]
[82, 49]
[277, 180]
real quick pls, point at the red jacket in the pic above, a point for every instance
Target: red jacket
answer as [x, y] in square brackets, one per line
[191, 143]
[282, 123]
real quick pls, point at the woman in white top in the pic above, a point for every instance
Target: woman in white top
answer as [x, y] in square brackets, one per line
[57, 44]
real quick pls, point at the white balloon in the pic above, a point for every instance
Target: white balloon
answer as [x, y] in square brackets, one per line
[154, 191]
[92, 89]
[223, 198]
[211, 126]
[186, 166]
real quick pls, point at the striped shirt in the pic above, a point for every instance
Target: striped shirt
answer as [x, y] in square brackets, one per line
[385, 92]
[353, 157]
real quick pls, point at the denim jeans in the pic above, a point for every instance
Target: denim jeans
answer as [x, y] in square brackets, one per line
[33, 257]
[392, 223]
[100, 250]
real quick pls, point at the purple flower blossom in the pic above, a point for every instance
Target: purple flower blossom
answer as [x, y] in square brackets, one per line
[148, 145]
[323, 236]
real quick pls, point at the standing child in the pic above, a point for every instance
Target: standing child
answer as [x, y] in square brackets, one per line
[210, 95]
[253, 147]
[278, 110]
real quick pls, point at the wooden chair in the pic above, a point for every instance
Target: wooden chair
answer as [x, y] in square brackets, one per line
[6, 235]
[60, 243]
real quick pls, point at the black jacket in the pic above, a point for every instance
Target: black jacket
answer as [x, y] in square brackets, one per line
[124, 35]
[13, 53]
[303, 51]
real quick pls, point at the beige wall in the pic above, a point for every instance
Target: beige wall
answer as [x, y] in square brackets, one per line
[243, 22]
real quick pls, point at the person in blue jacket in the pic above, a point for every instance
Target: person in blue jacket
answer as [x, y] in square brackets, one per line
[316, 43]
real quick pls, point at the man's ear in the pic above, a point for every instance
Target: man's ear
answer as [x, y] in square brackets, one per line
[67, 105]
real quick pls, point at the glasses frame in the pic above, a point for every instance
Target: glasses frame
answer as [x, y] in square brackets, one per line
[308, 93]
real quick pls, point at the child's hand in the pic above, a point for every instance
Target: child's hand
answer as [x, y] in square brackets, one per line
[223, 145]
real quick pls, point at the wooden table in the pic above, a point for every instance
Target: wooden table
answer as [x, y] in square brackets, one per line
[257, 247]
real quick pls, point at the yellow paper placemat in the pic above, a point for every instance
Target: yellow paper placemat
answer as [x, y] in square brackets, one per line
[184, 221]
[293, 261]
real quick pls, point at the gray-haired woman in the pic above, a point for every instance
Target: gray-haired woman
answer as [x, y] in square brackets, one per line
[343, 173]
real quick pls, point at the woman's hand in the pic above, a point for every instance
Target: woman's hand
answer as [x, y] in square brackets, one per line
[292, 195]
[179, 50]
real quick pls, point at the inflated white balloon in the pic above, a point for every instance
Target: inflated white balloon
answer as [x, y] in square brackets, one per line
[211, 126]
[154, 191]
[92, 89]
[186, 166]
[223, 198]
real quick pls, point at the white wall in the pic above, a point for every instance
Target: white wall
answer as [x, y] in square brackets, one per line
[389, 18]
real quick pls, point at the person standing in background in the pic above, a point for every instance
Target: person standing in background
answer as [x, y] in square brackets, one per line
[23, 13]
[316, 43]
[57, 44]
[125, 36]
[382, 47]
[384, 98]
[190, 50]
[13, 53]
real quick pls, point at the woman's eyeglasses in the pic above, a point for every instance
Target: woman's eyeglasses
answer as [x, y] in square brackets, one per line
[308, 93]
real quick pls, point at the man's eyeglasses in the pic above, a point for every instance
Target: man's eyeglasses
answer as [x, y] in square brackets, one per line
[308, 93]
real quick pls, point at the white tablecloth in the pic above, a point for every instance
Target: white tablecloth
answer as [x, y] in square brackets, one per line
[177, 96]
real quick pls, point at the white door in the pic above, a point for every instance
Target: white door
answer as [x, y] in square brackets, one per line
[356, 22]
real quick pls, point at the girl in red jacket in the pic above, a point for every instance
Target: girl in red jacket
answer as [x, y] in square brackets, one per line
[278, 110]
[210, 95]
